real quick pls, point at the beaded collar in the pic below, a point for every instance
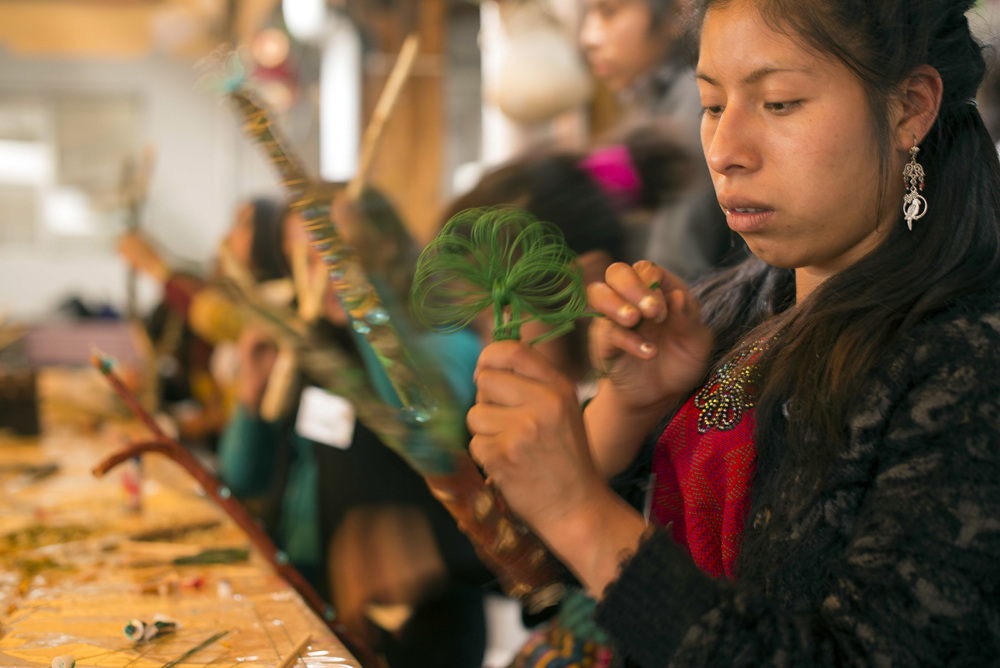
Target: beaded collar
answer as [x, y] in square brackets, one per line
[729, 393]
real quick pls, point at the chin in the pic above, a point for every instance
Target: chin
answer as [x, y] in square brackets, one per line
[775, 257]
[613, 83]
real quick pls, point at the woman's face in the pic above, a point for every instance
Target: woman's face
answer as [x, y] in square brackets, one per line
[789, 141]
[240, 237]
[621, 41]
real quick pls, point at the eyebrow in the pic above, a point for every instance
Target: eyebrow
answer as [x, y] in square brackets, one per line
[755, 76]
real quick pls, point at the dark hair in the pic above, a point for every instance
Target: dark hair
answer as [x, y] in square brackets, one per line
[666, 168]
[384, 222]
[661, 11]
[553, 188]
[267, 254]
[835, 339]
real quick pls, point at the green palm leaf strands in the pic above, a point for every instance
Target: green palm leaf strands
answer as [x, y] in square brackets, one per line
[502, 258]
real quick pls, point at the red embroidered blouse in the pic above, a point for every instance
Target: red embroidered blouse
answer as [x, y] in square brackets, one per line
[704, 464]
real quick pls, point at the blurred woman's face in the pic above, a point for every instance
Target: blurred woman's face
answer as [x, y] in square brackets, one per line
[621, 41]
[240, 237]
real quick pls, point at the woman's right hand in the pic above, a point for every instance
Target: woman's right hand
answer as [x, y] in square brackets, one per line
[652, 345]
[257, 353]
[141, 256]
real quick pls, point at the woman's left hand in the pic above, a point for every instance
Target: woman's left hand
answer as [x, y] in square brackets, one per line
[528, 435]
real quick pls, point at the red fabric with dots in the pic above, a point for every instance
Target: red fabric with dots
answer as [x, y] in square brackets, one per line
[702, 487]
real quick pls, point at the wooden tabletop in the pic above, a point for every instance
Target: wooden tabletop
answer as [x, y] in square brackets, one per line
[76, 565]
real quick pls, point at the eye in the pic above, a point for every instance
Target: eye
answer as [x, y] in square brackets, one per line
[782, 108]
[713, 111]
[606, 9]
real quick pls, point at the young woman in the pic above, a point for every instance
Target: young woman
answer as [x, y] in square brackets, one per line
[827, 486]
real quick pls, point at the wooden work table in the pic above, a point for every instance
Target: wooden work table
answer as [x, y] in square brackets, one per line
[76, 565]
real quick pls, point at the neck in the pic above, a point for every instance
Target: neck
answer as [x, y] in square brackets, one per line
[807, 279]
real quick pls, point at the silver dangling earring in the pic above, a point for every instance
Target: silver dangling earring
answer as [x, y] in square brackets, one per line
[914, 204]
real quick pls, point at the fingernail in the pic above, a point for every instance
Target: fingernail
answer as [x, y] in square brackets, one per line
[648, 306]
[647, 348]
[627, 311]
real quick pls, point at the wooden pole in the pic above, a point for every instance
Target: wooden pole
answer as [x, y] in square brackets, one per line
[383, 111]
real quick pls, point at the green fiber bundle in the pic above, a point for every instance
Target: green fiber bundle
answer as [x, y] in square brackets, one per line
[504, 258]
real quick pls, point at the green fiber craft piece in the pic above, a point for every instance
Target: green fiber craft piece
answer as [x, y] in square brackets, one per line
[504, 258]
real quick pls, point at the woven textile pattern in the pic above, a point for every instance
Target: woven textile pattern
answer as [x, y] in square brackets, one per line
[702, 487]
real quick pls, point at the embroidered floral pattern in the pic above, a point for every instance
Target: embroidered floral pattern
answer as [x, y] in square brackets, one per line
[729, 393]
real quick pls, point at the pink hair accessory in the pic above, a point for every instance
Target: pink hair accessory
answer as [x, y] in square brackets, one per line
[614, 172]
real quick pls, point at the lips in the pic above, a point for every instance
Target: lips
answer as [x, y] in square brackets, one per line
[601, 70]
[745, 215]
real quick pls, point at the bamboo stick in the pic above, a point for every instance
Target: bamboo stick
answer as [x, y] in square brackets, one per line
[383, 111]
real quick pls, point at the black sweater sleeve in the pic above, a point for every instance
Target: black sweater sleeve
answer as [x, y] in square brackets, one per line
[918, 583]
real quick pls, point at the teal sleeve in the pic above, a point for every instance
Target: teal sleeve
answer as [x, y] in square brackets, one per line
[298, 528]
[457, 355]
[248, 454]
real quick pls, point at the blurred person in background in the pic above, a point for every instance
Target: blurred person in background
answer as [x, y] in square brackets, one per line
[351, 514]
[635, 48]
[193, 320]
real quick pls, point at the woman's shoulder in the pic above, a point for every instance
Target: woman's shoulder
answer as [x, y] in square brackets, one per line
[967, 328]
[954, 351]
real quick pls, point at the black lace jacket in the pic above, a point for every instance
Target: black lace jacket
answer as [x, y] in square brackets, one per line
[896, 562]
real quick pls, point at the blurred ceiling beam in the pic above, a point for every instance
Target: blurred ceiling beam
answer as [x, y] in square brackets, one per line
[126, 28]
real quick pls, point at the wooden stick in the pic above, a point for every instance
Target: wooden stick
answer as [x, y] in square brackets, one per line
[296, 652]
[194, 650]
[103, 364]
[241, 277]
[383, 111]
[301, 275]
[281, 385]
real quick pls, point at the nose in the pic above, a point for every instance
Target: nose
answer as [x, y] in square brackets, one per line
[591, 31]
[730, 143]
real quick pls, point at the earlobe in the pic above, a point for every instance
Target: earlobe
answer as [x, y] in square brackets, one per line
[921, 102]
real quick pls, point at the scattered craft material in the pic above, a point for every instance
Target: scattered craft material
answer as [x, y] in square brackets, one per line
[40, 535]
[223, 496]
[296, 652]
[171, 585]
[31, 567]
[139, 630]
[215, 556]
[224, 588]
[194, 650]
[173, 533]
[64, 661]
[30, 472]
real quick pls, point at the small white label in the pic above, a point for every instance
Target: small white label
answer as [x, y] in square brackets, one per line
[325, 418]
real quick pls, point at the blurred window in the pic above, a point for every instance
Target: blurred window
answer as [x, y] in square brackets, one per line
[63, 160]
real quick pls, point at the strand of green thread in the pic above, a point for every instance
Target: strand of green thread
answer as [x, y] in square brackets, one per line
[194, 650]
[502, 257]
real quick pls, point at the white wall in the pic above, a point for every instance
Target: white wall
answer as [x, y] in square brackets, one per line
[203, 168]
